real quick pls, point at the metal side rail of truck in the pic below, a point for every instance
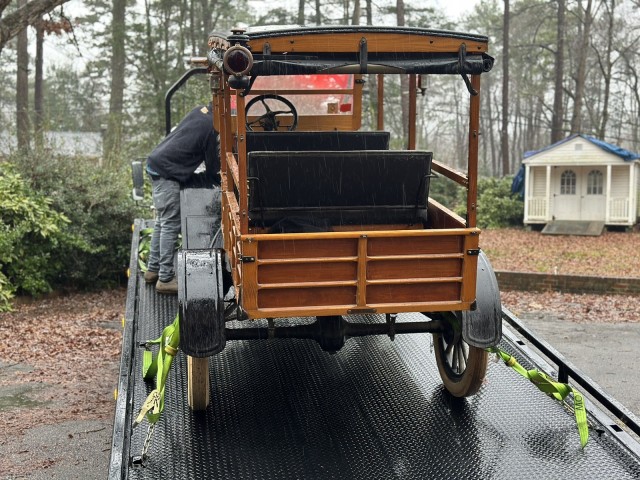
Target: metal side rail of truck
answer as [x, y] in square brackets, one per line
[283, 408]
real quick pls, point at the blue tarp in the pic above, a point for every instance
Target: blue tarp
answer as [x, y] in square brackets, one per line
[517, 185]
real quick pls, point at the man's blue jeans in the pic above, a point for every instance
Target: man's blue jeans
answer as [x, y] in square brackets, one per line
[166, 200]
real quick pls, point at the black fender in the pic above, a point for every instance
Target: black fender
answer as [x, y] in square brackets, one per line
[482, 327]
[201, 302]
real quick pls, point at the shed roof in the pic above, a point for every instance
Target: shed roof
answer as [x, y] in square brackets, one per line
[626, 155]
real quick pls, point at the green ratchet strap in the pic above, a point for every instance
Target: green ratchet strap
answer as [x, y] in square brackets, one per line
[144, 247]
[158, 366]
[556, 389]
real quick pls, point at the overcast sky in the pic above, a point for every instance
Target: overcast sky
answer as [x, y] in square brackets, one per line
[454, 8]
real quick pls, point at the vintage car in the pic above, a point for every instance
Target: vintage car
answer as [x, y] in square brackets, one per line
[319, 217]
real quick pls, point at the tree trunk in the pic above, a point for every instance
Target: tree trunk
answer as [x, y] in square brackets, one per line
[113, 139]
[607, 67]
[355, 20]
[22, 89]
[581, 75]
[504, 132]
[301, 12]
[489, 112]
[38, 119]
[558, 111]
[318, 13]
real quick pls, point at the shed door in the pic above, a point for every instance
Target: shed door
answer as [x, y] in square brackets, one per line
[579, 193]
[593, 198]
[566, 193]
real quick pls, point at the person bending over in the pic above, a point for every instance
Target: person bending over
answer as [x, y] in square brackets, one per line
[170, 165]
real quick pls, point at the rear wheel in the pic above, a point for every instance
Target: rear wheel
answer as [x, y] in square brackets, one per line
[462, 367]
[198, 382]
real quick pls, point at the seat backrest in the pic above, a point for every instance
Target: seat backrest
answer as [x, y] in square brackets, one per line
[324, 140]
[379, 185]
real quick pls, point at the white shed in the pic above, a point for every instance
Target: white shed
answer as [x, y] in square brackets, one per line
[582, 178]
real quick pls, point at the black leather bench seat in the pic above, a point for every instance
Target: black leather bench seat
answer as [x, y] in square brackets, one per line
[329, 188]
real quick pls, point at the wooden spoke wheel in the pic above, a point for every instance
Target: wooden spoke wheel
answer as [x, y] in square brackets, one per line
[198, 382]
[462, 367]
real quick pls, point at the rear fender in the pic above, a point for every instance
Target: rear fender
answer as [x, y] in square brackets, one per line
[201, 302]
[482, 327]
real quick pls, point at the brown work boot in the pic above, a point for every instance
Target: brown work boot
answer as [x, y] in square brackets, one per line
[168, 288]
[150, 277]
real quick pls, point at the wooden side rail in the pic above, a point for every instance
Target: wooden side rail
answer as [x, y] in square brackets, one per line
[458, 177]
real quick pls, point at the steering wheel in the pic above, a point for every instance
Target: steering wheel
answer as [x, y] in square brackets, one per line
[268, 120]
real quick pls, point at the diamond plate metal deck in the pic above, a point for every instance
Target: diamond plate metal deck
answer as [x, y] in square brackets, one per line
[375, 410]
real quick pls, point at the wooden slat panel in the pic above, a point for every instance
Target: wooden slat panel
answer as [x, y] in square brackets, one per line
[284, 312]
[414, 245]
[306, 272]
[293, 285]
[376, 42]
[410, 280]
[320, 248]
[307, 297]
[413, 293]
[425, 268]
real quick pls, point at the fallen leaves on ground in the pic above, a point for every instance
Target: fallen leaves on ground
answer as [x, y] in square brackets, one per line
[612, 254]
[578, 308]
[64, 353]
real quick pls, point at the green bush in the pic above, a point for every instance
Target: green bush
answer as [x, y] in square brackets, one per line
[30, 232]
[97, 202]
[64, 223]
[497, 206]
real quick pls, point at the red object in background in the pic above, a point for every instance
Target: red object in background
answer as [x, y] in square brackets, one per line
[306, 104]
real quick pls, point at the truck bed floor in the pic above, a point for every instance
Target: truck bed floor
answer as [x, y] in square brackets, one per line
[283, 408]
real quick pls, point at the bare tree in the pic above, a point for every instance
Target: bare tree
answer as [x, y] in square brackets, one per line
[504, 132]
[557, 117]
[38, 118]
[22, 90]
[26, 14]
[606, 67]
[355, 20]
[113, 137]
[581, 74]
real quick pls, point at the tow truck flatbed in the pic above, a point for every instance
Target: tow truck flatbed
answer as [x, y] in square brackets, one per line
[283, 408]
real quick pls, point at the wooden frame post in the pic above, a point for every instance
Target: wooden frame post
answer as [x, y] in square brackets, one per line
[472, 167]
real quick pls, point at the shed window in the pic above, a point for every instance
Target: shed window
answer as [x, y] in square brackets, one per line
[568, 183]
[595, 182]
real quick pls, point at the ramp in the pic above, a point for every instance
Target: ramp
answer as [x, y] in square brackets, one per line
[283, 408]
[566, 227]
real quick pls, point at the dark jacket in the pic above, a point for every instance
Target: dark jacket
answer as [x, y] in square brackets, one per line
[181, 152]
